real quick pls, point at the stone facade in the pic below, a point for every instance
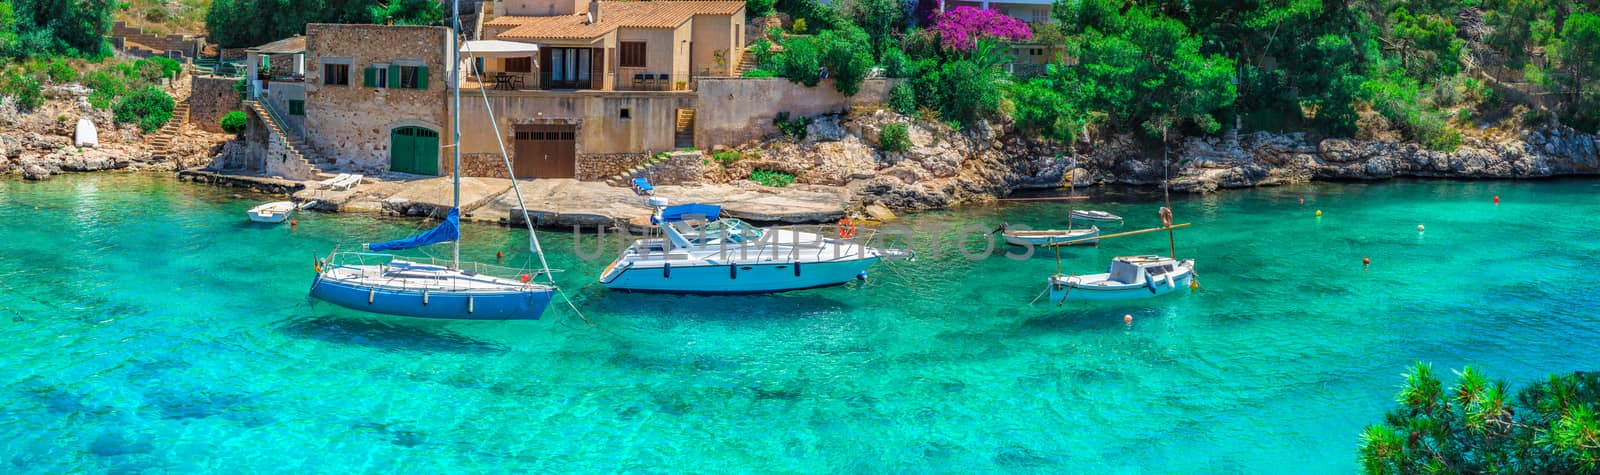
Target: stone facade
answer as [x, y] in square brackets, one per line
[352, 123]
[210, 98]
[269, 154]
[278, 95]
[602, 129]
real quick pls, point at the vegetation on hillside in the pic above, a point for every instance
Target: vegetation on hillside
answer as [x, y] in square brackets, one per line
[243, 23]
[1423, 68]
[54, 28]
[1480, 426]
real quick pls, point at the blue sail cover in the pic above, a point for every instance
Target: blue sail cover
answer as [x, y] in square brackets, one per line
[673, 214]
[449, 230]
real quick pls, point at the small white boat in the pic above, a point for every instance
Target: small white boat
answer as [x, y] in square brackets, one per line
[1092, 215]
[274, 212]
[1051, 237]
[1130, 277]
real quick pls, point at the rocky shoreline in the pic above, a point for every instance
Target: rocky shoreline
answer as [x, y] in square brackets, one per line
[941, 168]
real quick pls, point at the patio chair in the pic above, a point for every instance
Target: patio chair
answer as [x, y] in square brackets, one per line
[641, 186]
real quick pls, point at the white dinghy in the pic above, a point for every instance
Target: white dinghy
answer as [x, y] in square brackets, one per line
[1092, 215]
[1050, 237]
[274, 212]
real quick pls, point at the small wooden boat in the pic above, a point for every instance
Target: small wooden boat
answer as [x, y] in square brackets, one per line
[274, 212]
[1130, 277]
[1051, 237]
[1092, 215]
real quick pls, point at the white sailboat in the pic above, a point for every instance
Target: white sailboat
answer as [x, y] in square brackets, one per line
[388, 284]
[701, 252]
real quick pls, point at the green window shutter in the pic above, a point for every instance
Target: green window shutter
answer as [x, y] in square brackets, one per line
[297, 107]
[369, 77]
[394, 76]
[422, 77]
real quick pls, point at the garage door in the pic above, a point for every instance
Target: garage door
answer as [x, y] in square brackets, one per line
[546, 151]
[414, 150]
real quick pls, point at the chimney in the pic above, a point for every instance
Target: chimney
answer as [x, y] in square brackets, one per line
[594, 11]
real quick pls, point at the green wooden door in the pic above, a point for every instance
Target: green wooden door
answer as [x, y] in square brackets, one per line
[414, 150]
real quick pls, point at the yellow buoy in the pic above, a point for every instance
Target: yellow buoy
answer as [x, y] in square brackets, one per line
[1194, 284]
[1419, 228]
[1319, 213]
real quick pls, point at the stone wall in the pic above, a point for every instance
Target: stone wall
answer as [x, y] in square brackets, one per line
[489, 165]
[680, 168]
[267, 153]
[210, 98]
[734, 111]
[597, 167]
[352, 123]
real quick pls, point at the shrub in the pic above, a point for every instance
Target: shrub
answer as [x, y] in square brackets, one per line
[60, 72]
[771, 178]
[1484, 426]
[759, 73]
[758, 8]
[800, 25]
[105, 87]
[800, 61]
[903, 99]
[895, 63]
[794, 128]
[25, 90]
[233, 123]
[170, 68]
[847, 56]
[242, 88]
[894, 138]
[727, 157]
[149, 108]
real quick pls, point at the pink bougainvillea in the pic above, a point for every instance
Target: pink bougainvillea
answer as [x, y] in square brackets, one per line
[961, 28]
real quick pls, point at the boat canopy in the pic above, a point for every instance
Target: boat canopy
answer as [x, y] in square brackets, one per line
[449, 230]
[673, 214]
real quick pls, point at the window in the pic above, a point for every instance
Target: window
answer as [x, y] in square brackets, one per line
[624, 114]
[519, 65]
[297, 107]
[408, 77]
[632, 54]
[336, 74]
[379, 80]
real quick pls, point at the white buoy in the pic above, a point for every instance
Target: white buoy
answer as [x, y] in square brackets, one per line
[86, 136]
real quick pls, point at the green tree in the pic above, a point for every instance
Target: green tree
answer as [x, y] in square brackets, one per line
[846, 58]
[1579, 52]
[1426, 43]
[149, 108]
[880, 19]
[47, 28]
[1479, 426]
[800, 61]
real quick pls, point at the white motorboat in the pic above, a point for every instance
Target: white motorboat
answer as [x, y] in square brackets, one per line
[1092, 215]
[1051, 237]
[701, 252]
[1130, 277]
[274, 212]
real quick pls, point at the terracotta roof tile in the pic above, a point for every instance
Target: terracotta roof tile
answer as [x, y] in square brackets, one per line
[614, 14]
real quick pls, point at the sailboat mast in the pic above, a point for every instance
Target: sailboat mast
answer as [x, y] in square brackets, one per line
[455, 121]
[1166, 193]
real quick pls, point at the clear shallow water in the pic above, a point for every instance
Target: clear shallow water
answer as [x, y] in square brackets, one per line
[149, 327]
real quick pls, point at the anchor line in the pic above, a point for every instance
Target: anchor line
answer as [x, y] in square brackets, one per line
[575, 310]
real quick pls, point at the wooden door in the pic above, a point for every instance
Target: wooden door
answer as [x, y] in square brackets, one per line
[546, 151]
[414, 150]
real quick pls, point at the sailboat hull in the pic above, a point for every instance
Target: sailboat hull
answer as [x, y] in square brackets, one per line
[685, 278]
[456, 305]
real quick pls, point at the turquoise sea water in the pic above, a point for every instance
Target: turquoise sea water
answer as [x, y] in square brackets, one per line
[149, 328]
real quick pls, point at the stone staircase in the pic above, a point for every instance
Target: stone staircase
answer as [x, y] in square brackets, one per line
[295, 145]
[683, 129]
[643, 169]
[138, 43]
[747, 62]
[161, 141]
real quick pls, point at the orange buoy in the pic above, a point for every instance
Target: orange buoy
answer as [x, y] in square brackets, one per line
[1127, 319]
[1302, 201]
[1366, 261]
[293, 223]
[499, 255]
[526, 278]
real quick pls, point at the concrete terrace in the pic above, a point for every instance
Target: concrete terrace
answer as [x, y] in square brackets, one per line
[551, 202]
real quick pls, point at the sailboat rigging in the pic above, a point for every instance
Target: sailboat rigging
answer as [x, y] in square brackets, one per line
[388, 284]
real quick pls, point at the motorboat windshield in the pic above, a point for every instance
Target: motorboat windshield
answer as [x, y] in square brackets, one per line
[721, 231]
